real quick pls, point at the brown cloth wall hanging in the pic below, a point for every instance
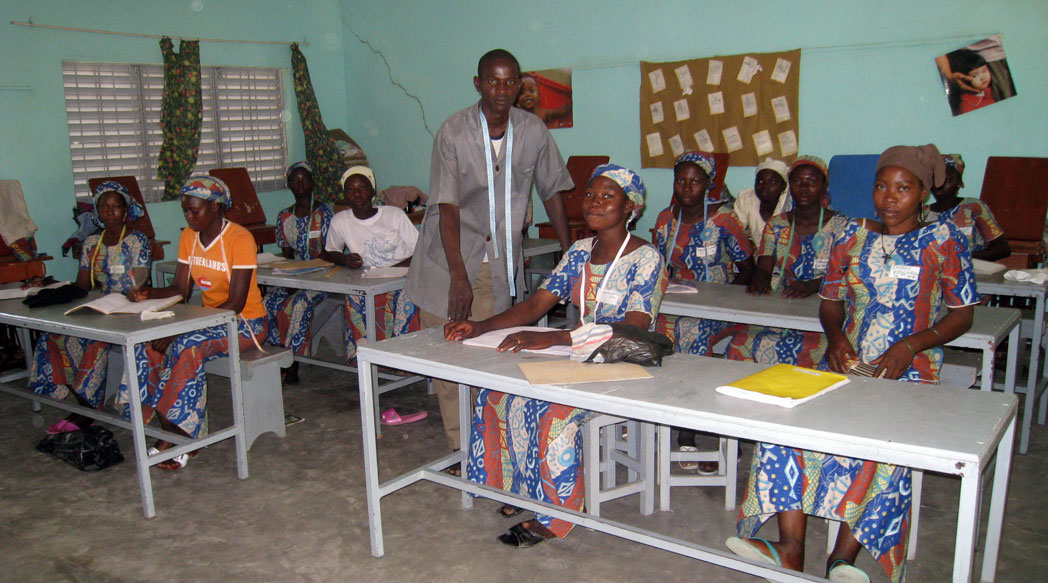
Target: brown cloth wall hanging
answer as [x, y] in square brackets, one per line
[744, 105]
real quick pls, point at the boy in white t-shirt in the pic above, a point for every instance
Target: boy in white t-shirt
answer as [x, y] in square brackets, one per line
[368, 236]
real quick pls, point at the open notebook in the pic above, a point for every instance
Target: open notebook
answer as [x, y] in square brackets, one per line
[118, 304]
[784, 385]
[495, 337]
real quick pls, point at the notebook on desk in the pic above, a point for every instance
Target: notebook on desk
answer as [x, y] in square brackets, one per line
[784, 385]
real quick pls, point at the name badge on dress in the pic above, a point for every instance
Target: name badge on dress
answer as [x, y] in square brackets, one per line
[706, 250]
[117, 269]
[967, 231]
[822, 263]
[910, 272]
[314, 234]
[609, 297]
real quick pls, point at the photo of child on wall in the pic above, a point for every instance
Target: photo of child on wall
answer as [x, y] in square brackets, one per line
[547, 94]
[976, 75]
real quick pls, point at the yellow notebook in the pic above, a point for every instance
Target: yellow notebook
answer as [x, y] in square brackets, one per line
[784, 385]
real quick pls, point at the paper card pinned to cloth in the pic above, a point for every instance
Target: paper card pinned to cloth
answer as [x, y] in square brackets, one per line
[567, 372]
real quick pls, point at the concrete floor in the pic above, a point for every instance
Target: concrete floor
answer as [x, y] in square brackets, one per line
[302, 514]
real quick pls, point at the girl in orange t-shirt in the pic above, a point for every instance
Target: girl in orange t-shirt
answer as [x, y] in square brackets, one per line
[218, 257]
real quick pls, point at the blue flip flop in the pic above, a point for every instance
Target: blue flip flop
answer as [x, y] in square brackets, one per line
[744, 549]
[844, 572]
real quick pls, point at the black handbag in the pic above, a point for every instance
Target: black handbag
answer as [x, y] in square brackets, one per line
[90, 449]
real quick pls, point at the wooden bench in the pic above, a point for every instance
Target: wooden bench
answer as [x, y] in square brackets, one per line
[262, 391]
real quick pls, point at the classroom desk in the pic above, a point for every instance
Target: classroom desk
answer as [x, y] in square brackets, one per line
[902, 424]
[126, 331]
[731, 303]
[1035, 380]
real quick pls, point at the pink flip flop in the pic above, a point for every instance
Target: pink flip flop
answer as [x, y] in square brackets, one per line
[63, 426]
[391, 417]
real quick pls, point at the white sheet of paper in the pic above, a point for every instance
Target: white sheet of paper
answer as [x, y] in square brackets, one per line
[385, 272]
[657, 79]
[781, 107]
[680, 107]
[732, 139]
[782, 70]
[749, 105]
[749, 68]
[788, 143]
[656, 113]
[267, 258]
[681, 288]
[118, 304]
[716, 100]
[684, 78]
[702, 138]
[713, 76]
[654, 144]
[762, 143]
[676, 145]
[494, 338]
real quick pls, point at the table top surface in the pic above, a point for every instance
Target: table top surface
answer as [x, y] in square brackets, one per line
[114, 328]
[732, 303]
[996, 284]
[918, 425]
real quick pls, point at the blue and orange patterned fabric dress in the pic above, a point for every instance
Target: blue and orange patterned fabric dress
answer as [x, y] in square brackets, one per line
[64, 363]
[892, 286]
[805, 260]
[291, 311]
[704, 251]
[533, 447]
[973, 218]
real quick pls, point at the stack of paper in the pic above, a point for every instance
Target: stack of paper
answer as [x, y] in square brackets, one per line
[118, 304]
[784, 385]
[495, 337]
[299, 267]
[13, 291]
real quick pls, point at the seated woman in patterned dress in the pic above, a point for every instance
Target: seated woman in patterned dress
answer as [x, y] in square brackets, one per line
[365, 236]
[218, 257]
[302, 230]
[793, 255]
[532, 447]
[115, 261]
[895, 291]
[970, 215]
[711, 246]
[768, 197]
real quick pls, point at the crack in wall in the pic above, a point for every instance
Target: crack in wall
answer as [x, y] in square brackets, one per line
[389, 73]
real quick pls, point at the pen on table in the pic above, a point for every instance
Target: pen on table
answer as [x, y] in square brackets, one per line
[333, 270]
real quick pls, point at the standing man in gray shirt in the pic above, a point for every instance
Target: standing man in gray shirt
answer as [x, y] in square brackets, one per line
[468, 261]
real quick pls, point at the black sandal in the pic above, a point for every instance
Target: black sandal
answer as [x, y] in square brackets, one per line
[509, 511]
[519, 536]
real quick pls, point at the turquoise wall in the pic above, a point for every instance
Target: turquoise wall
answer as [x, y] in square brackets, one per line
[34, 142]
[877, 88]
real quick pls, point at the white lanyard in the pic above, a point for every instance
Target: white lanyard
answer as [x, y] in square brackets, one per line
[600, 288]
[486, 139]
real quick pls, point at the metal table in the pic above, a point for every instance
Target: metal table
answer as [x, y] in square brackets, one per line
[900, 423]
[731, 303]
[126, 331]
[1035, 380]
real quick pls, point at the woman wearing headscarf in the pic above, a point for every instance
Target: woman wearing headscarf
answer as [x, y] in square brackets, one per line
[895, 291]
[768, 197]
[970, 215]
[218, 257]
[114, 261]
[532, 447]
[701, 239]
[792, 259]
[302, 229]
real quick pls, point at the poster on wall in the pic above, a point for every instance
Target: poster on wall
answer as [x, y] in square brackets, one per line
[547, 94]
[742, 105]
[976, 76]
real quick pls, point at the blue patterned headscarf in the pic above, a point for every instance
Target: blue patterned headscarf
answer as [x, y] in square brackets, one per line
[134, 210]
[208, 188]
[954, 161]
[628, 181]
[707, 164]
[303, 164]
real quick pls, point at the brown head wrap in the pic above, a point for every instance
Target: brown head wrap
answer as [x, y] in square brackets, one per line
[925, 162]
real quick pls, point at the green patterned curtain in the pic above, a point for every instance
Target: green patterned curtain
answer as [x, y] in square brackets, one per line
[320, 147]
[180, 116]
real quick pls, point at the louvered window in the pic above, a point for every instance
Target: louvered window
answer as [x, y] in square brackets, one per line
[113, 112]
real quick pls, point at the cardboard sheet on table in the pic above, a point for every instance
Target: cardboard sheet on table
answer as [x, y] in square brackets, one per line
[567, 372]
